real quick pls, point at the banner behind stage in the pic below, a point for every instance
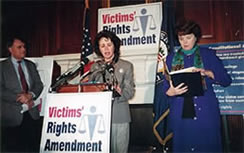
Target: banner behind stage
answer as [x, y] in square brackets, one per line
[77, 122]
[138, 27]
[231, 98]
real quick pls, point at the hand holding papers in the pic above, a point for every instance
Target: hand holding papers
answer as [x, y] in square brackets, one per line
[189, 69]
[191, 79]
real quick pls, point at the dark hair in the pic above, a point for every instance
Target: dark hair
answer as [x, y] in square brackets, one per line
[11, 40]
[184, 27]
[115, 39]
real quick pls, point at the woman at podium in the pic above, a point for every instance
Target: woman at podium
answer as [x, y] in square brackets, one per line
[118, 74]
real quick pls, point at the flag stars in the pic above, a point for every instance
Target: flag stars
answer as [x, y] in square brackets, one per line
[86, 42]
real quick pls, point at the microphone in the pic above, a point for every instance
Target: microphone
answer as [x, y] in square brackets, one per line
[79, 65]
[69, 73]
[110, 68]
[74, 69]
[84, 61]
[100, 67]
[113, 82]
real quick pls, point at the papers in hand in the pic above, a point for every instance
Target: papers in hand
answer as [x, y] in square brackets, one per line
[192, 80]
[189, 69]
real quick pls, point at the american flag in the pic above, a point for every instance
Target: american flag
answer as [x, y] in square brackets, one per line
[161, 127]
[86, 48]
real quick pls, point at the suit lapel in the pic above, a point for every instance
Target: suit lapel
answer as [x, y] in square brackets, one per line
[12, 77]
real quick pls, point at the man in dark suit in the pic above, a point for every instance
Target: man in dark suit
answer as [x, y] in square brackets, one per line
[20, 84]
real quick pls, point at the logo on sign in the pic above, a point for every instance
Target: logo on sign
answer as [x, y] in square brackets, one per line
[92, 123]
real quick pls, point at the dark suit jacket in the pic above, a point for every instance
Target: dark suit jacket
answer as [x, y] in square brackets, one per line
[10, 88]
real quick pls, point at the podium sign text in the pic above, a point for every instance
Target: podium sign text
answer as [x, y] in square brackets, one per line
[77, 122]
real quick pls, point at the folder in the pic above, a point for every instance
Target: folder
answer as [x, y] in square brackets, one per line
[193, 80]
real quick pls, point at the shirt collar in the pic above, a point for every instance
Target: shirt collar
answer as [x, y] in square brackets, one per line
[15, 61]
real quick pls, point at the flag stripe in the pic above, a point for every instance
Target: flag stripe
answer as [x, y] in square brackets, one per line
[86, 48]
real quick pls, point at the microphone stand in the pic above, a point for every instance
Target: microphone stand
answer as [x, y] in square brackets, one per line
[69, 74]
[113, 83]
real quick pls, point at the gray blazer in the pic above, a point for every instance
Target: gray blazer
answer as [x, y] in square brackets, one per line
[10, 87]
[124, 74]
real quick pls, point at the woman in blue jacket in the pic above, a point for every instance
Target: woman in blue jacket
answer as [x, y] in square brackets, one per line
[199, 129]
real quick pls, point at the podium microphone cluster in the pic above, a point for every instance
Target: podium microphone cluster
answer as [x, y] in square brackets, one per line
[69, 73]
[74, 69]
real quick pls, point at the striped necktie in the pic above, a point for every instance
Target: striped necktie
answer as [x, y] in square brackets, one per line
[22, 78]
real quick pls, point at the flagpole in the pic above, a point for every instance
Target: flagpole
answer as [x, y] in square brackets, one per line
[106, 3]
[86, 7]
[86, 4]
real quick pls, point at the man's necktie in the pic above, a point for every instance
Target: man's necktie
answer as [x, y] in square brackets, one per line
[22, 78]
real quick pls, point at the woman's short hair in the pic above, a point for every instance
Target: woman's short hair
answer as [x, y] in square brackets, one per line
[184, 27]
[115, 40]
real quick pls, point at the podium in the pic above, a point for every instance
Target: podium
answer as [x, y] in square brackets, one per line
[75, 115]
[95, 87]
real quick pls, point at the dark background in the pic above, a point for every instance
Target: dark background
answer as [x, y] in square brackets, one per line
[53, 27]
